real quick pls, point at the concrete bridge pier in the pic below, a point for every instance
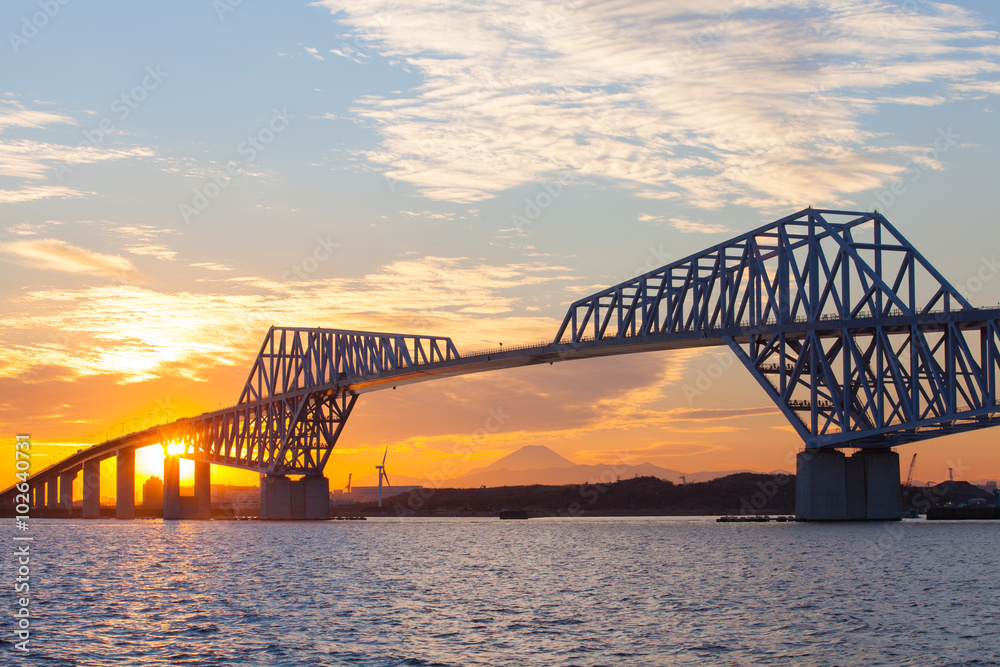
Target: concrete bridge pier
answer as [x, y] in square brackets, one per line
[125, 474]
[36, 495]
[316, 490]
[883, 492]
[66, 480]
[202, 490]
[832, 487]
[52, 493]
[305, 498]
[92, 489]
[171, 487]
[176, 506]
[40, 493]
[275, 497]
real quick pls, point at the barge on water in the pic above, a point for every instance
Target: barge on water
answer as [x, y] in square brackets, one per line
[756, 518]
[962, 513]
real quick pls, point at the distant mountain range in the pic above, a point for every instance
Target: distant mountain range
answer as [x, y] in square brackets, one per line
[537, 464]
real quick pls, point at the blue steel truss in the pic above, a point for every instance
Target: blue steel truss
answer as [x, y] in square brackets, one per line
[852, 333]
[295, 403]
[295, 359]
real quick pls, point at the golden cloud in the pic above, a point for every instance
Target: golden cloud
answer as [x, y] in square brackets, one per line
[56, 255]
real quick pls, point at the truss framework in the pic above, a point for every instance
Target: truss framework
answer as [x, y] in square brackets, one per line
[812, 266]
[292, 359]
[295, 403]
[856, 337]
[879, 385]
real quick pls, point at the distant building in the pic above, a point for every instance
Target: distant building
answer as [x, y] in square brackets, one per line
[991, 486]
[152, 492]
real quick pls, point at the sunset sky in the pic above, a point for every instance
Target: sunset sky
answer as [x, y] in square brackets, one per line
[176, 177]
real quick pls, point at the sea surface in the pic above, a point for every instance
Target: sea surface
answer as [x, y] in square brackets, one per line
[561, 591]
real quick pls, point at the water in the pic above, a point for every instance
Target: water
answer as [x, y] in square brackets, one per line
[580, 591]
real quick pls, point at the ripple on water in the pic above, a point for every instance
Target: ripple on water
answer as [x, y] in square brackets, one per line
[551, 592]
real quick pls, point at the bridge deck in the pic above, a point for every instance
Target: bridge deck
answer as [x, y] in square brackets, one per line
[832, 328]
[543, 353]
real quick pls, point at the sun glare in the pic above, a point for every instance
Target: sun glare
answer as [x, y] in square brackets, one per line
[149, 462]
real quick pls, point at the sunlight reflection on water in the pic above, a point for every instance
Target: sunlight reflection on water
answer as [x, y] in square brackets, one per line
[649, 591]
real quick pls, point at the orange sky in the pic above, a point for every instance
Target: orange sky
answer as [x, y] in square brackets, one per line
[467, 174]
[658, 407]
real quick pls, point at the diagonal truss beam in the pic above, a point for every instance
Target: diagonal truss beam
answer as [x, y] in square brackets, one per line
[853, 334]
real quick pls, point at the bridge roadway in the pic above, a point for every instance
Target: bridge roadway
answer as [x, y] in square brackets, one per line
[832, 328]
[478, 362]
[500, 358]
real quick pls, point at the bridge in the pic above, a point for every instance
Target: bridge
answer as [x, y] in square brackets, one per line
[858, 340]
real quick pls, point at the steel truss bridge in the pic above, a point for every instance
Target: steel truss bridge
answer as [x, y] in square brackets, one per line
[855, 336]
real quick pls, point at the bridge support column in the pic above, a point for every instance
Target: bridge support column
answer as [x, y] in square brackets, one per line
[883, 493]
[298, 498]
[831, 487]
[171, 487]
[820, 485]
[202, 490]
[41, 496]
[52, 493]
[66, 490]
[36, 495]
[92, 489]
[275, 497]
[316, 490]
[306, 498]
[125, 473]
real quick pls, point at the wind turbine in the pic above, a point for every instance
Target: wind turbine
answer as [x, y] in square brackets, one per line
[382, 474]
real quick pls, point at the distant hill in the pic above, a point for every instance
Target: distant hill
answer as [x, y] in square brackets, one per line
[733, 494]
[538, 464]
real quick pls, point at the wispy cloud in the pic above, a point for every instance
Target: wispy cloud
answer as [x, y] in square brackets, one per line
[689, 227]
[152, 250]
[15, 114]
[38, 192]
[714, 414]
[56, 255]
[138, 332]
[32, 229]
[140, 232]
[314, 52]
[212, 266]
[757, 103]
[35, 160]
[428, 215]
